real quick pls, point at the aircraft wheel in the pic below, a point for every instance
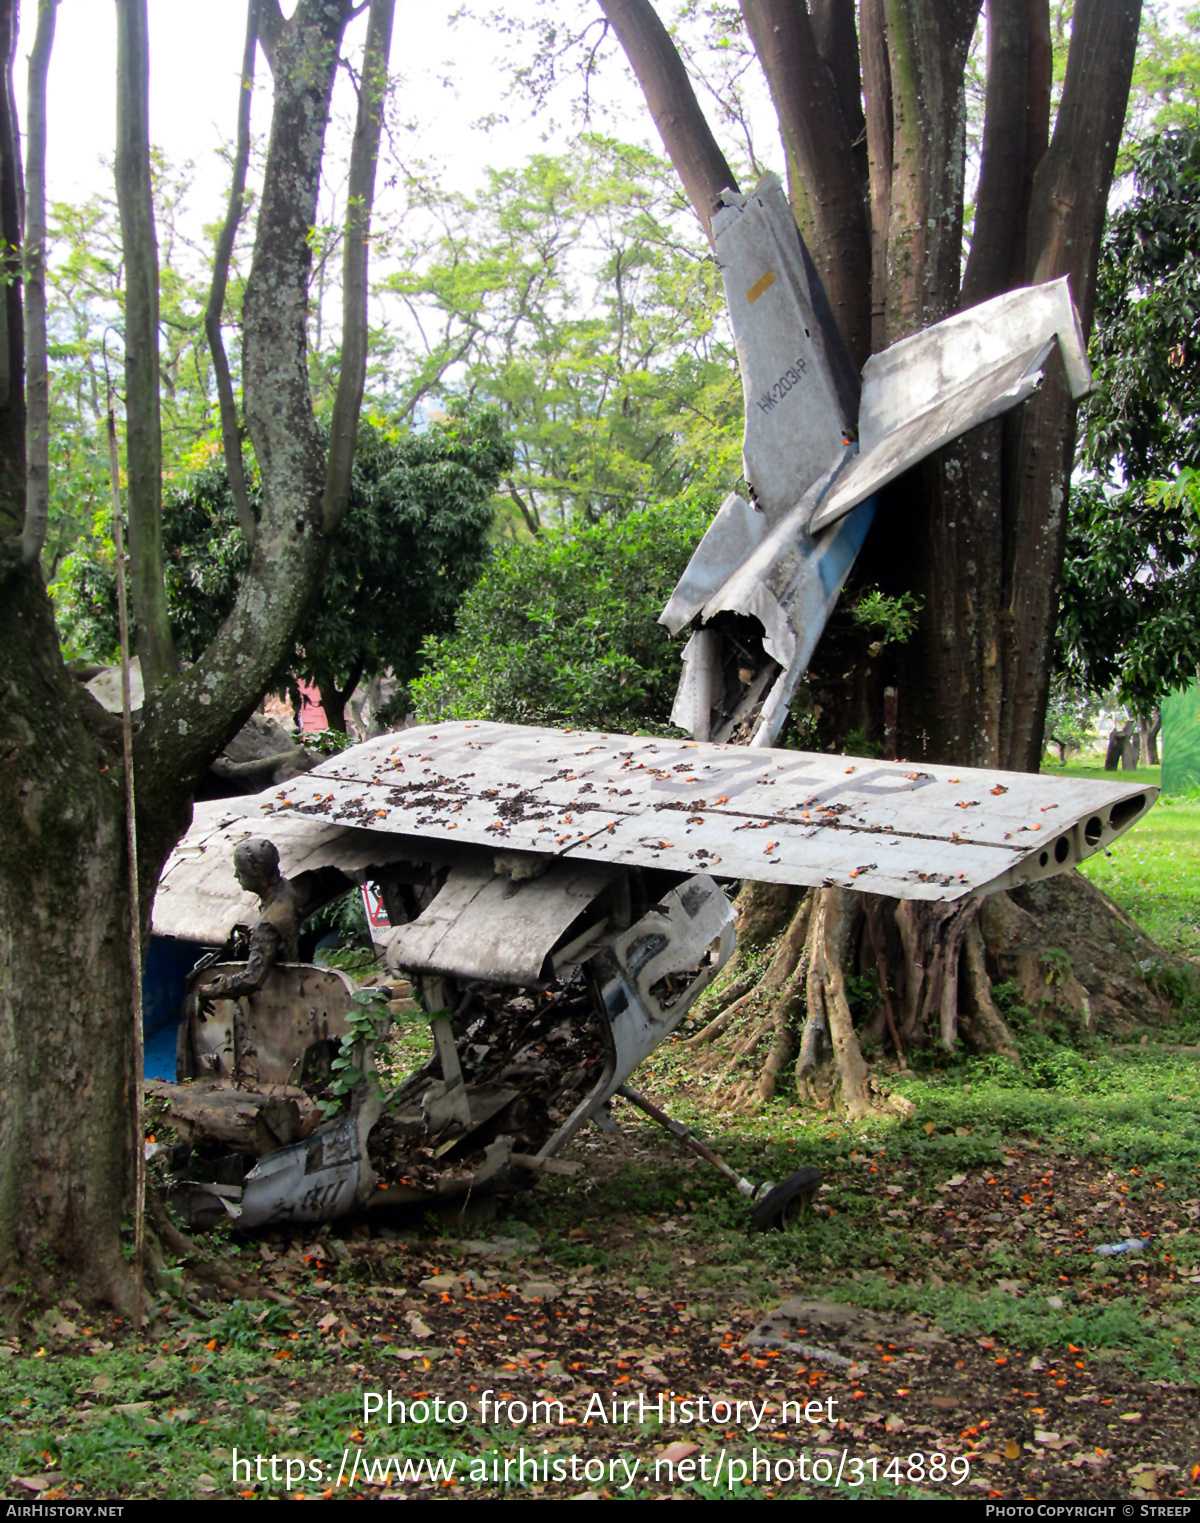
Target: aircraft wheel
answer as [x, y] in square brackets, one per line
[788, 1202]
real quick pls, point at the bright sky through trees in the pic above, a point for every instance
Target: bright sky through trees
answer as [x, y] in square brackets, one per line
[451, 77]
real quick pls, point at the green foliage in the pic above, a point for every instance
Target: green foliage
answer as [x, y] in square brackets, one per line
[892, 620]
[1166, 76]
[1131, 580]
[85, 323]
[368, 1021]
[572, 294]
[413, 539]
[862, 993]
[1153, 872]
[122, 1423]
[1071, 715]
[346, 916]
[327, 742]
[244, 1324]
[562, 629]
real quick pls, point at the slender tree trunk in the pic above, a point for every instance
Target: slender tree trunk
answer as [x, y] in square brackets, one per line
[1000, 208]
[12, 347]
[143, 429]
[37, 488]
[360, 195]
[681, 124]
[231, 434]
[1149, 729]
[927, 42]
[827, 200]
[1070, 196]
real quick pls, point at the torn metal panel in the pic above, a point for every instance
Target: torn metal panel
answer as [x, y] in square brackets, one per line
[796, 425]
[200, 900]
[648, 978]
[701, 684]
[668, 942]
[919, 372]
[484, 925]
[884, 827]
[315, 1180]
[264, 1038]
[933, 387]
[736, 531]
[790, 584]
[105, 688]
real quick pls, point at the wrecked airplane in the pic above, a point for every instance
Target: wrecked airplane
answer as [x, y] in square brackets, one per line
[554, 896]
[818, 445]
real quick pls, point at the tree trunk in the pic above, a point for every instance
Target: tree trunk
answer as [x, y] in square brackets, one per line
[66, 1040]
[143, 427]
[826, 200]
[231, 434]
[1118, 745]
[977, 532]
[685, 134]
[37, 496]
[66, 1036]
[1148, 729]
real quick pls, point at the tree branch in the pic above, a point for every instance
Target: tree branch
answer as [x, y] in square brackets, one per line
[837, 43]
[927, 43]
[37, 377]
[270, 29]
[364, 157]
[1072, 183]
[12, 344]
[877, 95]
[995, 243]
[528, 512]
[826, 200]
[185, 725]
[1038, 93]
[1066, 221]
[681, 124]
[143, 442]
[230, 433]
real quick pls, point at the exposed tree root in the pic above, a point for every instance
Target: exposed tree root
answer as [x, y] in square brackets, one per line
[835, 920]
[1061, 948]
[200, 1266]
[776, 976]
[981, 1022]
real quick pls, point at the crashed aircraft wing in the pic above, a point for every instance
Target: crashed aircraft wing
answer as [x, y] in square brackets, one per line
[928, 832]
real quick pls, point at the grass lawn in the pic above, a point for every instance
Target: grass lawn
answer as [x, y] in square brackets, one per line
[953, 1314]
[950, 1303]
[1153, 872]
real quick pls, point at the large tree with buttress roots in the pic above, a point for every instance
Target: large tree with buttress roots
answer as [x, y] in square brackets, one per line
[871, 104]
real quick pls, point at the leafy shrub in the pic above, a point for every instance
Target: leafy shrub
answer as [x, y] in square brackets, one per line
[563, 628]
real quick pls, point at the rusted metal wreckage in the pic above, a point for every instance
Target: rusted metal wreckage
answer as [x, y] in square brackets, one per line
[555, 896]
[818, 445]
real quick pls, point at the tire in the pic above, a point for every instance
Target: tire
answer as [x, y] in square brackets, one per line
[784, 1206]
